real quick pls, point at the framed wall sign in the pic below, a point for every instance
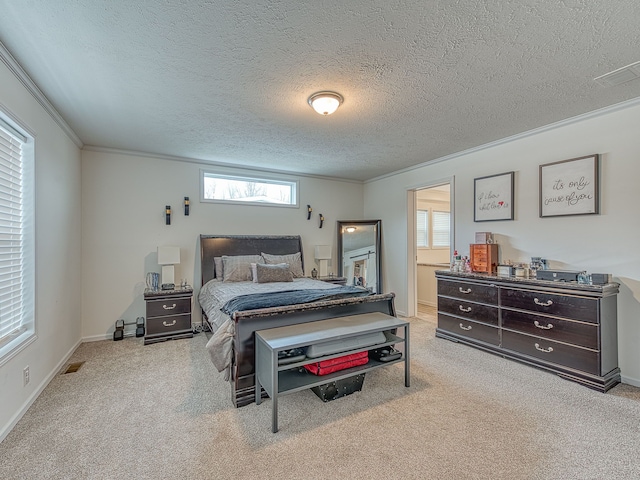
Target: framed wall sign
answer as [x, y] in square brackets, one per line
[570, 187]
[493, 197]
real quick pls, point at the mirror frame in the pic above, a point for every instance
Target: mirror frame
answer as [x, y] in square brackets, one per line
[378, 236]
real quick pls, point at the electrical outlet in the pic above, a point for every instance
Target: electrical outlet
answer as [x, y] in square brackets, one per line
[25, 376]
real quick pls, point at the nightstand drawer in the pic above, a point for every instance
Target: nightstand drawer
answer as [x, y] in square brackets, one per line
[168, 324]
[168, 306]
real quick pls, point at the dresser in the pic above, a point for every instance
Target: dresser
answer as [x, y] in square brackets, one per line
[569, 329]
[168, 314]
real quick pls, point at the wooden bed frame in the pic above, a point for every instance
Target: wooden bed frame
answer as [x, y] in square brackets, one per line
[248, 322]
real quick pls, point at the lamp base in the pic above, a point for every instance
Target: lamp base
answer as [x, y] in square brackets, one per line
[322, 268]
[168, 286]
[168, 273]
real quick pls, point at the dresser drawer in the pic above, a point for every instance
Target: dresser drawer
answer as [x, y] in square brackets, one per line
[568, 331]
[473, 292]
[470, 310]
[569, 306]
[467, 328]
[168, 306]
[168, 324]
[553, 352]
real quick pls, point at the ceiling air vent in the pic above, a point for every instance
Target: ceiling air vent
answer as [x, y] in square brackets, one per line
[619, 76]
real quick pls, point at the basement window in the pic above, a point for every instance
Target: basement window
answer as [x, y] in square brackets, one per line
[17, 250]
[239, 189]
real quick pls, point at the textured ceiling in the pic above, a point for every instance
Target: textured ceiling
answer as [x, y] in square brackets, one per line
[228, 82]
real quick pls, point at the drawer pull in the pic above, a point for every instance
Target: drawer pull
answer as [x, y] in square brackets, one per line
[548, 327]
[169, 308]
[542, 304]
[468, 290]
[465, 328]
[545, 350]
[169, 324]
[462, 309]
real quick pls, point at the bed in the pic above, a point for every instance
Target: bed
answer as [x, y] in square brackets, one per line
[239, 326]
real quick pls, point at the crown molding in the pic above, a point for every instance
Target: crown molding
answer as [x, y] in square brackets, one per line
[519, 136]
[213, 164]
[40, 97]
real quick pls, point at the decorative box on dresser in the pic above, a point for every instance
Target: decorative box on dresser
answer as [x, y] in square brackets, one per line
[168, 314]
[566, 328]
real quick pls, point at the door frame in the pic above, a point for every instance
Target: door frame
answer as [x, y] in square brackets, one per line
[412, 248]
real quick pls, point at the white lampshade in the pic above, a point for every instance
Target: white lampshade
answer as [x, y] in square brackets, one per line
[323, 252]
[168, 255]
[325, 103]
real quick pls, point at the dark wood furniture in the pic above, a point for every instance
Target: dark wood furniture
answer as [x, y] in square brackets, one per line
[168, 314]
[279, 380]
[483, 257]
[566, 328]
[336, 280]
[247, 322]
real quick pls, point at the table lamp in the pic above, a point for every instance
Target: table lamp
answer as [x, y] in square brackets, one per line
[323, 254]
[168, 257]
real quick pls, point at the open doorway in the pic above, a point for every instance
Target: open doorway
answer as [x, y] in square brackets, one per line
[430, 240]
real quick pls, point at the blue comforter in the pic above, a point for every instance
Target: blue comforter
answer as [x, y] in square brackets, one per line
[289, 297]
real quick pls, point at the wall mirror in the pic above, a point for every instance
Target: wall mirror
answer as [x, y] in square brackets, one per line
[359, 253]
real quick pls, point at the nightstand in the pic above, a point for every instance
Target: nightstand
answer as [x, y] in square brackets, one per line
[336, 280]
[168, 314]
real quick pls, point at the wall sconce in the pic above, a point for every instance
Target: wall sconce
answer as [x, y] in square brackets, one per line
[167, 215]
[321, 220]
[186, 206]
[309, 210]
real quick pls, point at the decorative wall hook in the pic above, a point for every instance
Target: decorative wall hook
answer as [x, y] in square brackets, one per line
[186, 206]
[321, 220]
[309, 210]
[167, 214]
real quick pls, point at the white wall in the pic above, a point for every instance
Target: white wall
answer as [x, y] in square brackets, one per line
[604, 243]
[58, 325]
[123, 200]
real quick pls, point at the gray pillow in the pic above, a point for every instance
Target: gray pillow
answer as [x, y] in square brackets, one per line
[294, 260]
[273, 273]
[238, 268]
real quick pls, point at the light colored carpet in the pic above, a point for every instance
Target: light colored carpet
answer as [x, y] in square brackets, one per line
[161, 411]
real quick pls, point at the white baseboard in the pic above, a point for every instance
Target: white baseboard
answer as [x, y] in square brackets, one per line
[428, 304]
[630, 381]
[36, 393]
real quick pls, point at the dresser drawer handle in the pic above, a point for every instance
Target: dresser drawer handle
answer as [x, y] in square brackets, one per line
[169, 324]
[547, 350]
[465, 328]
[462, 309]
[169, 308]
[542, 304]
[548, 327]
[468, 290]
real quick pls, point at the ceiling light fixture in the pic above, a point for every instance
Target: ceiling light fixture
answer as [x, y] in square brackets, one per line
[325, 103]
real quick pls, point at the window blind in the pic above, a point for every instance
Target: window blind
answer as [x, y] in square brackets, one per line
[422, 227]
[12, 253]
[441, 229]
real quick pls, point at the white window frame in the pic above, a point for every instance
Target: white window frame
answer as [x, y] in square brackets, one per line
[24, 333]
[427, 235]
[272, 179]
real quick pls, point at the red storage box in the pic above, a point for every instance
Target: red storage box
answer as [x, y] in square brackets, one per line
[335, 364]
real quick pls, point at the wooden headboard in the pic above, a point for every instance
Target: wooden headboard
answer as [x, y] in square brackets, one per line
[218, 245]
